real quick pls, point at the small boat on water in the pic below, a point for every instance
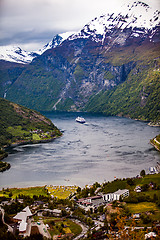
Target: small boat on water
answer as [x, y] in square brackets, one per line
[80, 120]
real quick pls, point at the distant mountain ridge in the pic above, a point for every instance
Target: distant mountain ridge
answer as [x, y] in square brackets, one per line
[110, 66]
[18, 55]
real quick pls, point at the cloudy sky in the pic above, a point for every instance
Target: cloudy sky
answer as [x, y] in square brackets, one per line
[33, 23]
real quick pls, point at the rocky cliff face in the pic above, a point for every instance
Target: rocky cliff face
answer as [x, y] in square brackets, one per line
[112, 52]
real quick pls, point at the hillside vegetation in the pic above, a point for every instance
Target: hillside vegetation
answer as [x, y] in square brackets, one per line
[20, 125]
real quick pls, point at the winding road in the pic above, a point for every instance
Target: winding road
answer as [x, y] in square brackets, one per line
[10, 229]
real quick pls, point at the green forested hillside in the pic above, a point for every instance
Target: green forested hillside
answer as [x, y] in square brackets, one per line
[19, 124]
[131, 99]
[9, 72]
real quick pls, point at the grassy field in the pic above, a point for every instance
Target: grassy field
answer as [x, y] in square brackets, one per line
[61, 191]
[65, 226]
[151, 193]
[151, 178]
[155, 178]
[25, 191]
[142, 207]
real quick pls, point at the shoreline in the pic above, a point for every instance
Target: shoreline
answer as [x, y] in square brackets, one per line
[154, 146]
[31, 142]
[4, 155]
[67, 185]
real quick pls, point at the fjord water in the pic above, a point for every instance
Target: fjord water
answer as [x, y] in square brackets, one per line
[101, 149]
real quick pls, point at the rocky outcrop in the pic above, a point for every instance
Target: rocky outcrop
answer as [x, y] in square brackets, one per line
[156, 143]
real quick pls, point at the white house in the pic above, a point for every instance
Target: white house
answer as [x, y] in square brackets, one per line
[110, 197]
[138, 189]
[121, 193]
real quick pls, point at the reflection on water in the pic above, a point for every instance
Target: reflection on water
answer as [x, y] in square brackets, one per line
[102, 148]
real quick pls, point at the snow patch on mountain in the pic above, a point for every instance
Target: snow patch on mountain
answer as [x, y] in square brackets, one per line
[56, 41]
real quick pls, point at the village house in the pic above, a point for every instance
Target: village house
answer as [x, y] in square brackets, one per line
[136, 216]
[20, 200]
[138, 189]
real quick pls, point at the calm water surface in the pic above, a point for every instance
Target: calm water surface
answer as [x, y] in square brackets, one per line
[101, 149]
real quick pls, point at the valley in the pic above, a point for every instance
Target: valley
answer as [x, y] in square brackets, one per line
[110, 66]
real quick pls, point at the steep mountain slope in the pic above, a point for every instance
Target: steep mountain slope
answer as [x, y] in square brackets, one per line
[111, 65]
[21, 125]
[9, 72]
[13, 60]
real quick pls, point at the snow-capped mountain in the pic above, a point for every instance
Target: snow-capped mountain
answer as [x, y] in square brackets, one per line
[137, 16]
[57, 40]
[16, 54]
